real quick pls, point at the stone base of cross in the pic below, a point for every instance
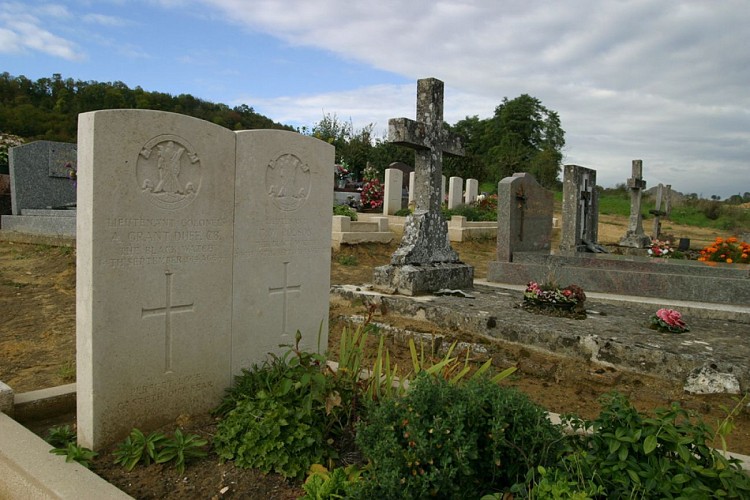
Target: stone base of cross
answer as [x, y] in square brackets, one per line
[425, 261]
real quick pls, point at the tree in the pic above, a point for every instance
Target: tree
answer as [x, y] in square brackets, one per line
[524, 136]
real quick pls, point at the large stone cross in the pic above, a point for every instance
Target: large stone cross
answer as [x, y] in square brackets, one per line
[425, 233]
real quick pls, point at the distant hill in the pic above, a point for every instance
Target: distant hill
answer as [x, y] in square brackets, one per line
[47, 109]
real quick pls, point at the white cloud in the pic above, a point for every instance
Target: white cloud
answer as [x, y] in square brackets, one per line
[665, 81]
[23, 27]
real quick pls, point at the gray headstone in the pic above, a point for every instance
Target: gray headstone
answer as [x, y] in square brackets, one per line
[524, 216]
[425, 261]
[634, 236]
[198, 252]
[39, 177]
[580, 209]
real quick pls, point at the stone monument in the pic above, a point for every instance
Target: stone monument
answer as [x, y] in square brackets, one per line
[635, 237]
[580, 210]
[425, 261]
[199, 251]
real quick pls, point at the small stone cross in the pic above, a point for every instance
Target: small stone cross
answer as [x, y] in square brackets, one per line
[425, 233]
[167, 311]
[284, 291]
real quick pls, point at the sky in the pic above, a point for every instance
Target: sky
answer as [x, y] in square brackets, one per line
[664, 81]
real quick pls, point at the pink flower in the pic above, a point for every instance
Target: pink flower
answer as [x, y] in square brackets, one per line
[670, 317]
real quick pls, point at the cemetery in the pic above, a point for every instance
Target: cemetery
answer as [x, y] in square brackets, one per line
[196, 251]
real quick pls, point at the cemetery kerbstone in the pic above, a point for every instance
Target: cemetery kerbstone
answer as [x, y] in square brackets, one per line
[580, 210]
[38, 176]
[192, 241]
[425, 261]
[524, 216]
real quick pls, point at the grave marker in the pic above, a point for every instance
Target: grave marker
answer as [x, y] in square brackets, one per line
[425, 261]
[635, 237]
[394, 179]
[455, 192]
[580, 210]
[472, 190]
[191, 244]
[38, 177]
[524, 216]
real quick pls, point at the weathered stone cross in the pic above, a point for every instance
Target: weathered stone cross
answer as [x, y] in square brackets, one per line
[425, 233]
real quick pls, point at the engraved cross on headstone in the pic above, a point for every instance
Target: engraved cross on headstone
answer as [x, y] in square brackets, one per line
[167, 311]
[284, 290]
[425, 232]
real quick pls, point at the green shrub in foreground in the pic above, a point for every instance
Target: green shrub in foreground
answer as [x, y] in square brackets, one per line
[453, 441]
[631, 455]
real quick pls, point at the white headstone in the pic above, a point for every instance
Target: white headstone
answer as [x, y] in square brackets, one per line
[394, 179]
[412, 178]
[455, 192]
[168, 286]
[472, 190]
[283, 223]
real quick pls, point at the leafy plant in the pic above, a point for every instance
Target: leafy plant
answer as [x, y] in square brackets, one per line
[346, 211]
[75, 453]
[664, 456]
[60, 436]
[348, 260]
[453, 441]
[138, 447]
[403, 212]
[67, 371]
[322, 484]
[279, 414]
[181, 448]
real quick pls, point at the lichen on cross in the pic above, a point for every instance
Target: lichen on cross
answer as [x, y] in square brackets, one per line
[425, 237]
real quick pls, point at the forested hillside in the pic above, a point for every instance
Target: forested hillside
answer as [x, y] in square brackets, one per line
[48, 108]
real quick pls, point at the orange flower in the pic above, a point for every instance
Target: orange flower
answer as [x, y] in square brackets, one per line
[729, 261]
[733, 239]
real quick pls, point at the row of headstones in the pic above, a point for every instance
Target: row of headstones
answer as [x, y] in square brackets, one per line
[525, 211]
[457, 194]
[199, 251]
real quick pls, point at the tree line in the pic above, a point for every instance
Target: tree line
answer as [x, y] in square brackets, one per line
[521, 136]
[48, 108]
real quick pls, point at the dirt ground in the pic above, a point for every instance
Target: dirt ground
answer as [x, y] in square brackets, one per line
[37, 350]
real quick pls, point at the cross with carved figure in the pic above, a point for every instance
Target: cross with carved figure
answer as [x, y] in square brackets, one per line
[425, 233]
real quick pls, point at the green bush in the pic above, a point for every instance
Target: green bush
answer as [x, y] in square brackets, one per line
[345, 210]
[631, 455]
[404, 212]
[453, 441]
[275, 417]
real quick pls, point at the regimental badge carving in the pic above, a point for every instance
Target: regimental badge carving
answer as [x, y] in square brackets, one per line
[169, 172]
[288, 182]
